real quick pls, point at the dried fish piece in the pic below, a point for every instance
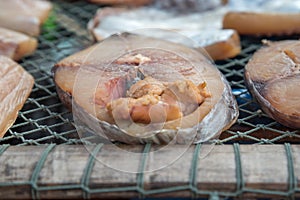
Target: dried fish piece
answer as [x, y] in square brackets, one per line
[273, 78]
[16, 45]
[253, 23]
[219, 44]
[24, 16]
[97, 77]
[16, 85]
[198, 30]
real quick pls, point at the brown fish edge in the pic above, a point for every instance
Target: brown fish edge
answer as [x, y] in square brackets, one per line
[262, 24]
[275, 82]
[16, 45]
[219, 117]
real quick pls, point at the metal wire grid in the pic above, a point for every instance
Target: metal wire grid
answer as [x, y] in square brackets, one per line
[253, 125]
[44, 119]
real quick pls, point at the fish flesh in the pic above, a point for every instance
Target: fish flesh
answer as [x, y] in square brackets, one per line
[24, 16]
[268, 23]
[133, 88]
[16, 45]
[199, 30]
[273, 78]
[16, 85]
[219, 44]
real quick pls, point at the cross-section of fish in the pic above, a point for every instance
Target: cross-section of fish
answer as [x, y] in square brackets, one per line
[273, 77]
[16, 45]
[133, 88]
[203, 29]
[16, 85]
[24, 16]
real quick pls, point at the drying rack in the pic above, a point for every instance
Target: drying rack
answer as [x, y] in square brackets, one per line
[42, 155]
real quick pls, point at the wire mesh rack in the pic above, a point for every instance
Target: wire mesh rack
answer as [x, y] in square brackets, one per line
[44, 119]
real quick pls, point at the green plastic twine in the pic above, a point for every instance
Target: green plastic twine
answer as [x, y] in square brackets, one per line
[36, 171]
[140, 175]
[291, 178]
[193, 170]
[88, 170]
[3, 148]
[239, 171]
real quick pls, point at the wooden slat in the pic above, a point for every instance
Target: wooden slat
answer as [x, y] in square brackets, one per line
[265, 164]
[296, 158]
[216, 170]
[263, 167]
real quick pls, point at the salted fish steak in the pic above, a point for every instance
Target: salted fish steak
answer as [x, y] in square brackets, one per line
[273, 78]
[132, 86]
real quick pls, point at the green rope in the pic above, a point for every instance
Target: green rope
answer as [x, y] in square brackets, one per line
[267, 192]
[291, 172]
[36, 171]
[17, 183]
[239, 171]
[59, 187]
[214, 196]
[88, 170]
[166, 190]
[194, 170]
[3, 148]
[119, 189]
[140, 175]
[192, 185]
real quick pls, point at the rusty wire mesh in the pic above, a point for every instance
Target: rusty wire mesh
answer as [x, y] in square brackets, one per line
[44, 119]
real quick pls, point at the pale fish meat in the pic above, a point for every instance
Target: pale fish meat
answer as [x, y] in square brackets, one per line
[16, 45]
[134, 89]
[273, 78]
[16, 85]
[24, 16]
